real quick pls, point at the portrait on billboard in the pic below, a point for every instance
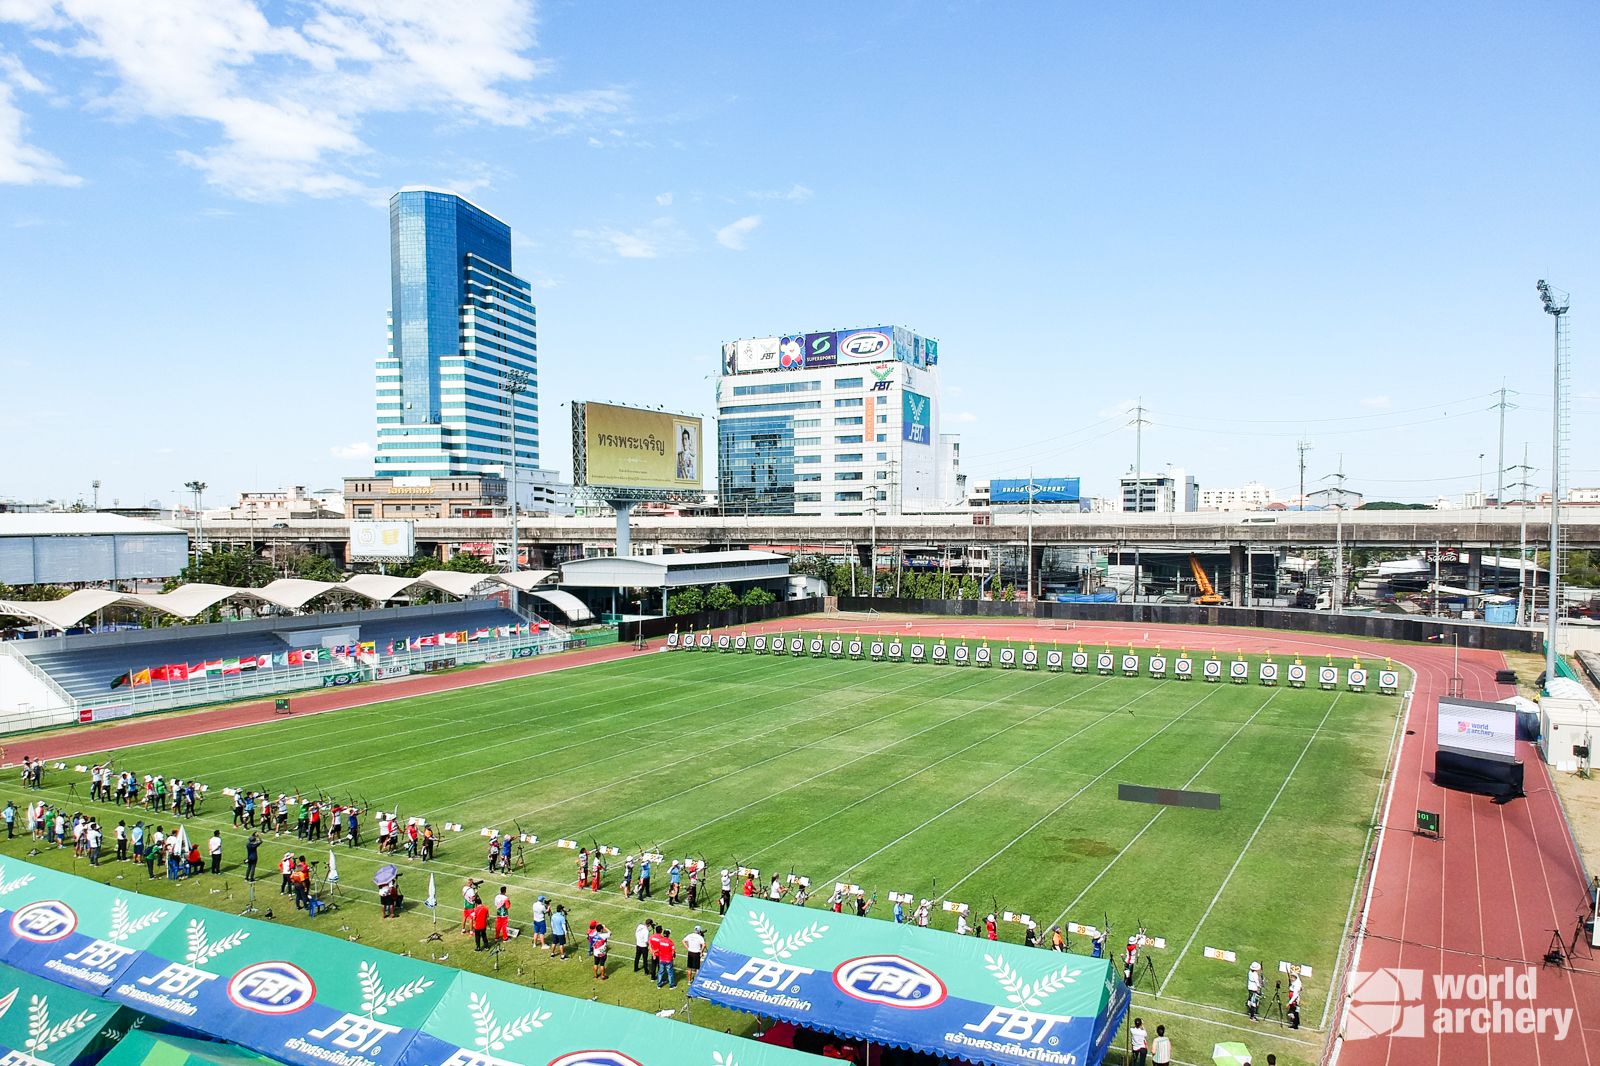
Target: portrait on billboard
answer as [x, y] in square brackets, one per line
[687, 435]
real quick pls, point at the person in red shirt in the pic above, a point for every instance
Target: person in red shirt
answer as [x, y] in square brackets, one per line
[655, 953]
[480, 926]
[990, 930]
[749, 884]
[667, 951]
[598, 866]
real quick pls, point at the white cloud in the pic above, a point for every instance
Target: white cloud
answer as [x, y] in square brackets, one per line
[660, 238]
[357, 450]
[797, 194]
[288, 98]
[664, 199]
[1376, 403]
[22, 163]
[734, 234]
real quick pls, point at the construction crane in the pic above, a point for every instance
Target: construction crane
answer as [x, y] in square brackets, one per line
[1209, 597]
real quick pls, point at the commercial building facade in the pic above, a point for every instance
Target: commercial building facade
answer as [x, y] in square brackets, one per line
[1172, 491]
[1252, 496]
[834, 422]
[461, 326]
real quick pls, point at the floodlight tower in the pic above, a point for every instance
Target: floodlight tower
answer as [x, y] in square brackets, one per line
[197, 487]
[1556, 304]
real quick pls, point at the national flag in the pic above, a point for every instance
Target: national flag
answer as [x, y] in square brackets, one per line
[463, 637]
[367, 652]
[427, 642]
[413, 643]
[280, 658]
[247, 662]
[502, 631]
[447, 638]
[296, 657]
[323, 656]
[197, 671]
[214, 667]
[177, 672]
[230, 666]
[121, 679]
[141, 677]
[158, 673]
[388, 649]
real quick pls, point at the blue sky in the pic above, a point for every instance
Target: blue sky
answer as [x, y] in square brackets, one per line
[1265, 220]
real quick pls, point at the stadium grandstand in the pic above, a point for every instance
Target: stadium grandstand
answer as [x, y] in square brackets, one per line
[94, 676]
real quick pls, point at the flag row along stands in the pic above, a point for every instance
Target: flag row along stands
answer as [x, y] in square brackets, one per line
[1353, 675]
[94, 959]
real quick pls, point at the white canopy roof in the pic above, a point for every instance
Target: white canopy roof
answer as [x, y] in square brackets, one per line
[290, 594]
[568, 604]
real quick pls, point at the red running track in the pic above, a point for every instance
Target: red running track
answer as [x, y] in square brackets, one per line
[1488, 895]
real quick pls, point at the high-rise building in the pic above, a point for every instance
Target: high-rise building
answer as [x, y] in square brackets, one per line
[839, 422]
[1166, 492]
[461, 327]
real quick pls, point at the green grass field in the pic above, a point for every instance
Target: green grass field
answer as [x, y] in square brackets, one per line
[979, 786]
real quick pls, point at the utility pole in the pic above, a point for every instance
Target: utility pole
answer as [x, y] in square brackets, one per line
[1524, 615]
[1302, 447]
[95, 484]
[1139, 422]
[1030, 533]
[1556, 304]
[514, 383]
[1338, 542]
[1500, 464]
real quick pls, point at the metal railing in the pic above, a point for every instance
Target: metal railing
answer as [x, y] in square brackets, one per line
[336, 673]
[24, 717]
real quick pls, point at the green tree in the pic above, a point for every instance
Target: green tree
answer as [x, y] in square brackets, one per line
[313, 567]
[758, 597]
[1391, 505]
[1008, 594]
[691, 600]
[224, 566]
[721, 598]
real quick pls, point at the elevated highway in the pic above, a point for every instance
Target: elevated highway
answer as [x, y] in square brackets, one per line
[563, 537]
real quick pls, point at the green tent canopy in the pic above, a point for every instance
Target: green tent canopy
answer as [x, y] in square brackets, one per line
[308, 999]
[44, 1022]
[148, 1049]
[921, 989]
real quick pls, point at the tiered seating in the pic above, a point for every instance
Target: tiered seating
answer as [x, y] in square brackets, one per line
[86, 671]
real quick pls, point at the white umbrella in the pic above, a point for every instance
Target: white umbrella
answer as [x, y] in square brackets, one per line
[333, 868]
[432, 900]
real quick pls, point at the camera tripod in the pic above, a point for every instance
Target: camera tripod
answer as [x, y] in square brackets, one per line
[250, 901]
[1132, 975]
[1275, 1006]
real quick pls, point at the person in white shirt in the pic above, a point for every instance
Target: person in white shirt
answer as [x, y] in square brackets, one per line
[1292, 1012]
[962, 928]
[1252, 991]
[727, 892]
[1161, 1048]
[774, 891]
[541, 914]
[1138, 1043]
[641, 946]
[694, 946]
[216, 851]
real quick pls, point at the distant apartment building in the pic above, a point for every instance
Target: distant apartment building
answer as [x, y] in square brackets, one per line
[1251, 496]
[1170, 492]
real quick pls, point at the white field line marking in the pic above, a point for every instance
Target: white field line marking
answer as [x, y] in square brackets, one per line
[495, 721]
[1058, 808]
[895, 784]
[1245, 850]
[543, 753]
[700, 755]
[1157, 816]
[973, 795]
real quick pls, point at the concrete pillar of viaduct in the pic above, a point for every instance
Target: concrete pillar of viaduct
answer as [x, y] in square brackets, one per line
[1236, 572]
